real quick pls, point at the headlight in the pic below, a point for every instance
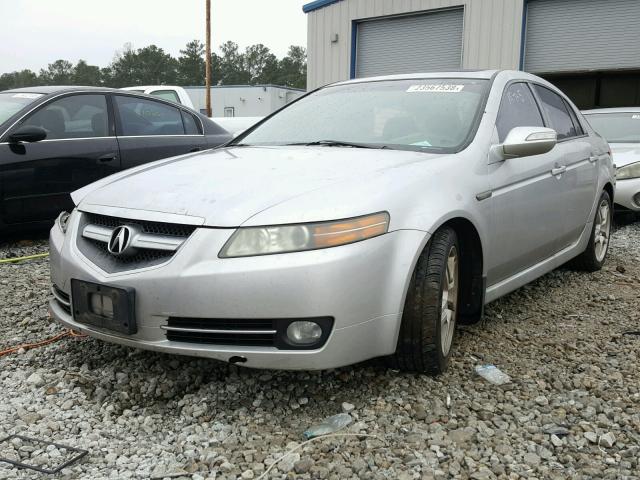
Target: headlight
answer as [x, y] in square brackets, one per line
[628, 171]
[246, 242]
[63, 221]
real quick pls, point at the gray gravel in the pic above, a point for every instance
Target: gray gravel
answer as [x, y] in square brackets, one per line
[572, 408]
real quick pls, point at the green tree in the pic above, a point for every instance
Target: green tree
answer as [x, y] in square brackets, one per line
[85, 74]
[59, 72]
[260, 64]
[145, 66]
[293, 68]
[232, 66]
[23, 78]
[191, 64]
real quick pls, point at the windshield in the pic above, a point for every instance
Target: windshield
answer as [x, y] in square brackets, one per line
[436, 114]
[11, 103]
[617, 127]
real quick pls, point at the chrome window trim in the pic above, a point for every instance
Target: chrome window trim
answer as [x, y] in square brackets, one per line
[103, 138]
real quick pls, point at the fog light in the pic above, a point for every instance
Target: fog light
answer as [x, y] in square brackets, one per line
[636, 199]
[304, 332]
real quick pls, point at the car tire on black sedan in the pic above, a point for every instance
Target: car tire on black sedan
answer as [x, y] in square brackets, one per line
[430, 312]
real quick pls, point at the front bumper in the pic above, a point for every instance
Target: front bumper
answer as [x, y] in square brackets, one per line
[361, 286]
[628, 194]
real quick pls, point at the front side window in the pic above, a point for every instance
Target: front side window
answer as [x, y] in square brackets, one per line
[432, 114]
[12, 103]
[623, 127]
[556, 110]
[517, 109]
[141, 117]
[75, 116]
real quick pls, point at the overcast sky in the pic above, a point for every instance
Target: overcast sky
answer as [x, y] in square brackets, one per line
[35, 33]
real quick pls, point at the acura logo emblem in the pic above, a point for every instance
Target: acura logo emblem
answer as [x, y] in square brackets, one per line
[120, 241]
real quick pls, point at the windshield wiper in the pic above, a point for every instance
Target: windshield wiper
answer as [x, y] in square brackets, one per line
[337, 143]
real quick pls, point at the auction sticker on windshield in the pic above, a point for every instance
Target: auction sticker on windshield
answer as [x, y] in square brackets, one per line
[442, 88]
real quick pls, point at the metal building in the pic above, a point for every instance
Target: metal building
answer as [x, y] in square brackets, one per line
[243, 100]
[589, 48]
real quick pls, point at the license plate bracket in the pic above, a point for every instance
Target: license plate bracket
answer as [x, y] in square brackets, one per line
[122, 299]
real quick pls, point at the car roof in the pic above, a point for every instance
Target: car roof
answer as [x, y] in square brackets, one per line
[481, 74]
[612, 110]
[45, 90]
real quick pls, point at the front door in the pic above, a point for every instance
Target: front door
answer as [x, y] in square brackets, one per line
[527, 199]
[37, 178]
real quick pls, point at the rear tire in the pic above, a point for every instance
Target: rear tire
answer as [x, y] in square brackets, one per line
[431, 308]
[595, 255]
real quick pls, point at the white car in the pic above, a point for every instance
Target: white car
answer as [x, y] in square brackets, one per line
[621, 128]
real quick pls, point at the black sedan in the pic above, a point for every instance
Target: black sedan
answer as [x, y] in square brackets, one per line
[54, 140]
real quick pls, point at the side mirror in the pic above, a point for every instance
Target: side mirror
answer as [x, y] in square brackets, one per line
[528, 141]
[28, 133]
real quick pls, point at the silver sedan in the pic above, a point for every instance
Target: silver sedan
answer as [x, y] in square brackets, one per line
[621, 127]
[366, 219]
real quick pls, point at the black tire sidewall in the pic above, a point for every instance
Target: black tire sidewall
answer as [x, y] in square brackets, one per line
[443, 360]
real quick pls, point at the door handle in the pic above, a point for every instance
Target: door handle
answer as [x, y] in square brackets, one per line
[195, 149]
[109, 157]
[558, 171]
[593, 158]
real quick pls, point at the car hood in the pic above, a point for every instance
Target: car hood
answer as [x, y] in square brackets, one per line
[229, 186]
[625, 153]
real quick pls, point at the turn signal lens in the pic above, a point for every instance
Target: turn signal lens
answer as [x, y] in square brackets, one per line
[252, 241]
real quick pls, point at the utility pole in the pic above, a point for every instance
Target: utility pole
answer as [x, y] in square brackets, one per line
[207, 61]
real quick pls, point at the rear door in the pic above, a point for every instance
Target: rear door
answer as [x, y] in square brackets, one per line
[526, 198]
[80, 148]
[150, 130]
[574, 159]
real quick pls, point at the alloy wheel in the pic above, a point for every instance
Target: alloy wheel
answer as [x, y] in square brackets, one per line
[449, 301]
[602, 230]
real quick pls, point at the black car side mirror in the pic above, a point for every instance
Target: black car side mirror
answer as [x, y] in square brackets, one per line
[28, 133]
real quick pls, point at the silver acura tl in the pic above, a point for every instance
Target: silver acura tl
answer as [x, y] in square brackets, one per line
[364, 220]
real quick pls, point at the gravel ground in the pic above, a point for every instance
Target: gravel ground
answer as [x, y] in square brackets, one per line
[571, 410]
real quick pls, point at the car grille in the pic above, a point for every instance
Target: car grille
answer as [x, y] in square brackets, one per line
[96, 249]
[248, 333]
[62, 299]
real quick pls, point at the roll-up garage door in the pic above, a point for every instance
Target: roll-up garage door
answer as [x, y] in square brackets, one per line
[581, 35]
[417, 43]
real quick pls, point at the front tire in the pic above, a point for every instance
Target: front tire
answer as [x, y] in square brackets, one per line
[431, 308]
[593, 258]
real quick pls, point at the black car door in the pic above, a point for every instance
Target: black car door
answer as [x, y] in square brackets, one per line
[150, 129]
[80, 147]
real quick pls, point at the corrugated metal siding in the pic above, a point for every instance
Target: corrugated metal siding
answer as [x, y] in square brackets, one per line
[578, 35]
[491, 38]
[410, 43]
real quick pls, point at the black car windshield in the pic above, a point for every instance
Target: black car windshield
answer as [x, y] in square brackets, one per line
[435, 114]
[617, 127]
[13, 102]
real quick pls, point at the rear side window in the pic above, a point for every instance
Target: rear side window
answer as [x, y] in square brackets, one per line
[517, 109]
[140, 117]
[191, 125]
[166, 95]
[556, 111]
[75, 116]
